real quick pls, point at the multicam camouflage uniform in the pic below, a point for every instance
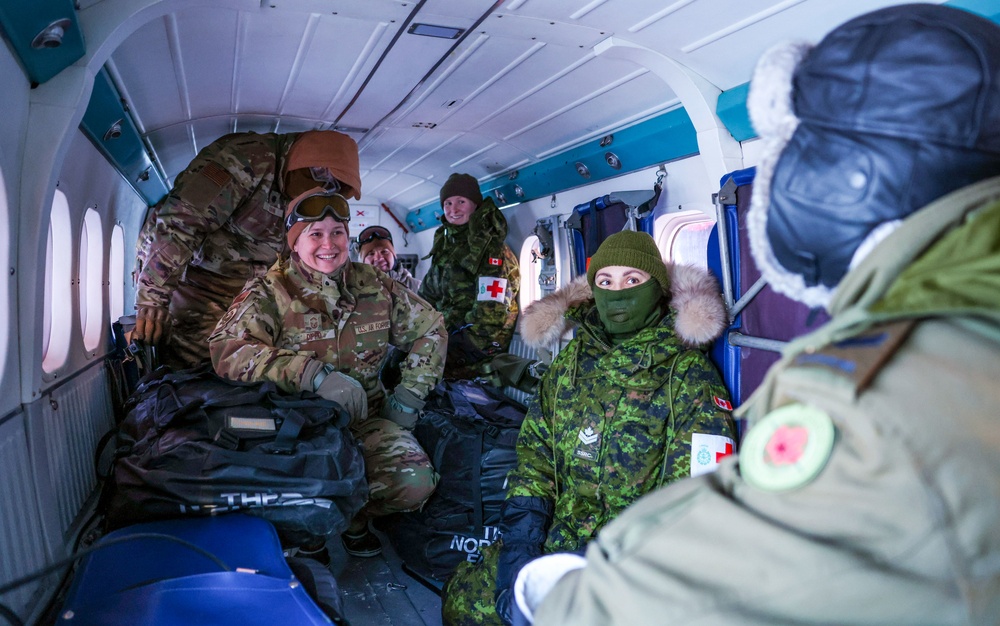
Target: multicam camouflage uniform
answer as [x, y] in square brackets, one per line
[468, 261]
[219, 226]
[294, 315]
[610, 423]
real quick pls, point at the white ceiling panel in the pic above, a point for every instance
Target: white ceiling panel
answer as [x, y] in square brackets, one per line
[522, 84]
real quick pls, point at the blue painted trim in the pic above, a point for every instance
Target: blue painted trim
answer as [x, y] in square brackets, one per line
[126, 153]
[667, 137]
[22, 20]
[731, 108]
[989, 9]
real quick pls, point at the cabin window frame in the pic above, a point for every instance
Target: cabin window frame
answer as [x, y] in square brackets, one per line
[57, 316]
[671, 227]
[530, 265]
[91, 280]
[116, 273]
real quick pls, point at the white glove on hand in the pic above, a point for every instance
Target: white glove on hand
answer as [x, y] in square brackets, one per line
[538, 577]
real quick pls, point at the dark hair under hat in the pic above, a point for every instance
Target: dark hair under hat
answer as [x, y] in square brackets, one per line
[630, 249]
[461, 185]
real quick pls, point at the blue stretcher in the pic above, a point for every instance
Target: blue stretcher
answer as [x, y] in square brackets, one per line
[175, 573]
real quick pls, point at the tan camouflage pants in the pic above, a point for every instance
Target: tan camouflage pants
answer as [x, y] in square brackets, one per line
[400, 475]
[196, 306]
[467, 597]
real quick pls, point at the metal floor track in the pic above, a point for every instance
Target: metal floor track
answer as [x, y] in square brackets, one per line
[376, 590]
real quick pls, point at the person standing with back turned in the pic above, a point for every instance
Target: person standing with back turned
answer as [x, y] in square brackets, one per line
[474, 279]
[867, 490]
[222, 224]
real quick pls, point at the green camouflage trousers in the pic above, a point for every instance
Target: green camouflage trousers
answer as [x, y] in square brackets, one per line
[467, 597]
[400, 475]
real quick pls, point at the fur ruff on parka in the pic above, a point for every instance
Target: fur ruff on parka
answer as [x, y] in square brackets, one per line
[694, 295]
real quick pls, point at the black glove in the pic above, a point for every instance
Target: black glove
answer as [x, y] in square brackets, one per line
[524, 522]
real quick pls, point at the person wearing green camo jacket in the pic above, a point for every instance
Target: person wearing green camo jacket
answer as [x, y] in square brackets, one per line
[867, 489]
[474, 278]
[629, 405]
[221, 225]
[318, 322]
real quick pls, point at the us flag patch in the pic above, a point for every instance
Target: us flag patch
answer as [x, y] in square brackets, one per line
[723, 404]
[215, 173]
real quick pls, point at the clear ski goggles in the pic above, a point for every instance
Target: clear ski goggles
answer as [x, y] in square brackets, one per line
[318, 206]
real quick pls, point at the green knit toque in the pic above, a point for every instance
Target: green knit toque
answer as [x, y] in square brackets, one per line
[630, 249]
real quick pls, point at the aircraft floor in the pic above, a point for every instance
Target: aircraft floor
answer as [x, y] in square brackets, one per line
[376, 590]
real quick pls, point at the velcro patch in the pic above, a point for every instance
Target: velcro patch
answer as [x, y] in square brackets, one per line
[788, 448]
[361, 329]
[707, 450]
[491, 289]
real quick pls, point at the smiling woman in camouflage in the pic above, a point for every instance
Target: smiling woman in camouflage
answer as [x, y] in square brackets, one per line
[318, 322]
[629, 405]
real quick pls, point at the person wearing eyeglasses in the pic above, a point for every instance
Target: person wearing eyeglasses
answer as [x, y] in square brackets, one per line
[375, 247]
[474, 278]
[317, 321]
[221, 224]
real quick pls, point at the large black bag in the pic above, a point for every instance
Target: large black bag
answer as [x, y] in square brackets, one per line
[193, 443]
[470, 431]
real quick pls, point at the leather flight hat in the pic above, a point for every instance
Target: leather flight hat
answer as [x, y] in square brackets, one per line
[889, 112]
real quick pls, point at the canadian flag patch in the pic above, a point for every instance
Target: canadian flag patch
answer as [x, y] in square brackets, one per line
[722, 403]
[494, 261]
[707, 451]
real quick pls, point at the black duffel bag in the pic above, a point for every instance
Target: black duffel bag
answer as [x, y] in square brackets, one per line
[469, 430]
[193, 443]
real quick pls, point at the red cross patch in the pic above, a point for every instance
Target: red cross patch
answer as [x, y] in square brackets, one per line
[491, 289]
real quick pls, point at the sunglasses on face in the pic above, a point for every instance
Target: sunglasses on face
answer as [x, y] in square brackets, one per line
[373, 234]
[316, 208]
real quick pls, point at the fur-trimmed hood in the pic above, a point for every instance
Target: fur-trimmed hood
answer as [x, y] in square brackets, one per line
[694, 296]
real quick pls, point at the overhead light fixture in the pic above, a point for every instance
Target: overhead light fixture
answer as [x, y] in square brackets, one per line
[433, 30]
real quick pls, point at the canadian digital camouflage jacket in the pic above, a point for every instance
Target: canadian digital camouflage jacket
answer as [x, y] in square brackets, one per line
[461, 256]
[611, 423]
[222, 218]
[293, 315]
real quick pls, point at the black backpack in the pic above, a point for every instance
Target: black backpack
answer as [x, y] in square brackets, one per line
[469, 430]
[193, 443]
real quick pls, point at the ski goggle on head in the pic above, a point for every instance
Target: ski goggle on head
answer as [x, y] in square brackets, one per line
[372, 233]
[325, 177]
[316, 205]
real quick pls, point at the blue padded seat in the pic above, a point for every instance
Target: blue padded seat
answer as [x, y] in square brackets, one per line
[160, 580]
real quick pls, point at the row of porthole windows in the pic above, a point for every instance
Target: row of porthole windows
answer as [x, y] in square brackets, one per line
[58, 322]
[681, 237]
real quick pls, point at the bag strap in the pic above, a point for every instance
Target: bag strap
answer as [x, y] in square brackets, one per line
[288, 434]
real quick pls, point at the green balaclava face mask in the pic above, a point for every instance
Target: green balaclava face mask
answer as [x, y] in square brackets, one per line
[628, 311]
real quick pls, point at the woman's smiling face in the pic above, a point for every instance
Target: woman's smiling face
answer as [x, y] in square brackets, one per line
[323, 245]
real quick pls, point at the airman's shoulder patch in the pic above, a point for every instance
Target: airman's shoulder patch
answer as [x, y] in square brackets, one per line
[788, 448]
